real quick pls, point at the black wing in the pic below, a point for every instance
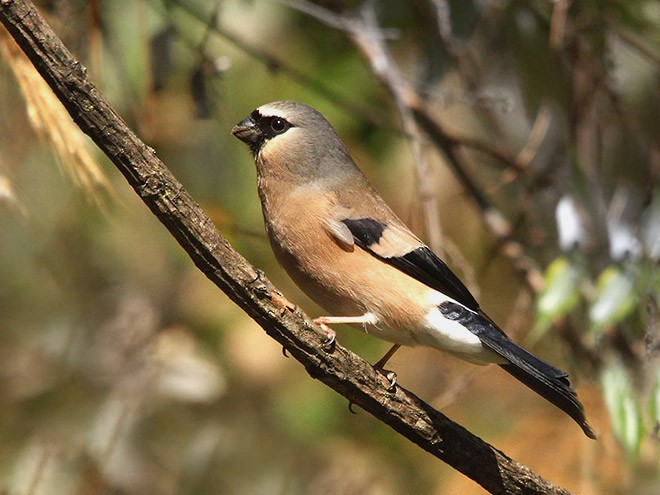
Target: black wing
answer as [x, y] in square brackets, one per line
[420, 263]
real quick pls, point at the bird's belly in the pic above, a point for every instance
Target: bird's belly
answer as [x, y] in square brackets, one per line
[353, 283]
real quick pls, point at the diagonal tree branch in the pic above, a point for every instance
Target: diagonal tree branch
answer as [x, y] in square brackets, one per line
[340, 369]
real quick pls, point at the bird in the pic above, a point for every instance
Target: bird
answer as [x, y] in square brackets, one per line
[348, 251]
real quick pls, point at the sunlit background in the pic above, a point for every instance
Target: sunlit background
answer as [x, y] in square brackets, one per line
[123, 370]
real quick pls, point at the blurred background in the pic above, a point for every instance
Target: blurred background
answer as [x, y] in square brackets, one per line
[123, 370]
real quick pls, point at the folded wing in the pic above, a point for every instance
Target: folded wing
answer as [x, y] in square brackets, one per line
[398, 247]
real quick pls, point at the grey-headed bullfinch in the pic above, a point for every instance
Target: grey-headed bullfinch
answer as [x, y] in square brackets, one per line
[347, 250]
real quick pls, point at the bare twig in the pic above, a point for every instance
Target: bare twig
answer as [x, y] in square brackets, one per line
[536, 136]
[558, 23]
[376, 52]
[338, 21]
[633, 42]
[494, 152]
[163, 194]
[464, 63]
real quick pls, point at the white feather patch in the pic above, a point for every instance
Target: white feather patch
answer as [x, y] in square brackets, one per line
[450, 336]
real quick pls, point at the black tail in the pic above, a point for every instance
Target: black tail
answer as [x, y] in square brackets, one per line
[554, 387]
[544, 379]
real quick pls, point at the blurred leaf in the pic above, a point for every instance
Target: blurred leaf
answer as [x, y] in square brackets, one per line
[624, 411]
[624, 243]
[560, 294]
[615, 297]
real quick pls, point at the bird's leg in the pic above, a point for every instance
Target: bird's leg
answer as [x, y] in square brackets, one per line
[324, 321]
[351, 320]
[330, 334]
[380, 366]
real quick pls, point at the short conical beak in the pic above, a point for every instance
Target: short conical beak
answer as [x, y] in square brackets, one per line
[247, 131]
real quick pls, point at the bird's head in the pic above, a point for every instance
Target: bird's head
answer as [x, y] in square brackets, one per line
[287, 136]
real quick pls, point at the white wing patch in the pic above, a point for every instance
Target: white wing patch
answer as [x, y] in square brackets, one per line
[450, 336]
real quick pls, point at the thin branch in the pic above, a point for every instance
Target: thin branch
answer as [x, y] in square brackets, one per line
[494, 152]
[633, 42]
[466, 66]
[536, 136]
[382, 65]
[558, 24]
[164, 195]
[340, 21]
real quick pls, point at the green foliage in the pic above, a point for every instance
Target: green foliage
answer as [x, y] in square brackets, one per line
[624, 410]
[616, 297]
[560, 295]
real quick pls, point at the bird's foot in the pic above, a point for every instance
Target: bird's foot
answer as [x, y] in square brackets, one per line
[330, 334]
[390, 376]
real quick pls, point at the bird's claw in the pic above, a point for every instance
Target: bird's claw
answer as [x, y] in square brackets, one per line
[331, 337]
[330, 334]
[391, 376]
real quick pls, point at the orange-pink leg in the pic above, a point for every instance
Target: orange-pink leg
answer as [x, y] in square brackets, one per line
[324, 321]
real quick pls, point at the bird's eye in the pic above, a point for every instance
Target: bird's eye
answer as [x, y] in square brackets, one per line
[279, 125]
